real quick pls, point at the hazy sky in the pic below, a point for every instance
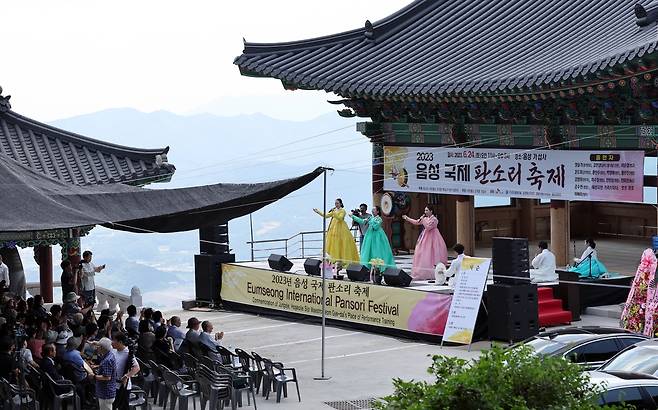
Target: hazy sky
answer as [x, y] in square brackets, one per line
[64, 58]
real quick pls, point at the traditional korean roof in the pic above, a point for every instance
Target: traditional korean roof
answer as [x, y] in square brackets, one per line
[76, 159]
[468, 47]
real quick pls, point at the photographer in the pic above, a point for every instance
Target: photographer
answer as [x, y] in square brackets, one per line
[89, 271]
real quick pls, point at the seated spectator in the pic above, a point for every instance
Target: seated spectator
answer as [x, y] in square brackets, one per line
[158, 320]
[71, 306]
[147, 316]
[8, 366]
[35, 341]
[132, 323]
[26, 354]
[104, 327]
[76, 325]
[38, 311]
[87, 348]
[145, 342]
[175, 332]
[194, 332]
[117, 324]
[48, 361]
[210, 340]
[60, 344]
[105, 377]
[74, 369]
[55, 315]
[163, 348]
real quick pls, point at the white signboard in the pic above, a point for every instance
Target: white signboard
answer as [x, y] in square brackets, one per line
[550, 174]
[466, 300]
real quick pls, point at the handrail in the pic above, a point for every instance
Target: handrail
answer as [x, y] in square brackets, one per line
[298, 248]
[284, 239]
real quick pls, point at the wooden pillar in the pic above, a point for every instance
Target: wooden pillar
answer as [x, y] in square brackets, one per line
[377, 169]
[465, 220]
[560, 231]
[71, 250]
[45, 261]
[527, 219]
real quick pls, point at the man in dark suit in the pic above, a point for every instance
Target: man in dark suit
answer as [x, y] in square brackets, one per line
[47, 361]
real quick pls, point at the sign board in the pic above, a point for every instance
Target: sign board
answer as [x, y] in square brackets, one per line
[548, 174]
[358, 302]
[466, 300]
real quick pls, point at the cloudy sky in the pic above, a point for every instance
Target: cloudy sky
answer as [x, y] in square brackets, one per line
[65, 58]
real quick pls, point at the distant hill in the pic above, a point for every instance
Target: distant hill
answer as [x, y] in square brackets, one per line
[208, 149]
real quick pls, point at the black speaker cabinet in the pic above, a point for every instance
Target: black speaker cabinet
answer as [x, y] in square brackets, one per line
[207, 275]
[513, 314]
[279, 262]
[510, 257]
[214, 239]
[396, 277]
[312, 266]
[358, 273]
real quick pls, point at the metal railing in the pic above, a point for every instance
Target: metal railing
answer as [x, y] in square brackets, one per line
[301, 245]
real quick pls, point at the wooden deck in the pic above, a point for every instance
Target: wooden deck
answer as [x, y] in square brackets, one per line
[618, 255]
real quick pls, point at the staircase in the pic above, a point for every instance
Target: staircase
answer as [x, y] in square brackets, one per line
[550, 309]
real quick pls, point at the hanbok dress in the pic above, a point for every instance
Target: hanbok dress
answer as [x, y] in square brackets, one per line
[340, 242]
[638, 313]
[583, 267]
[375, 243]
[430, 249]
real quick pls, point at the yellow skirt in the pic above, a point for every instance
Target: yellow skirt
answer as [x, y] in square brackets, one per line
[340, 243]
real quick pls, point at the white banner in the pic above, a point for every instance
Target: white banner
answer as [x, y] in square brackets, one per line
[551, 174]
[465, 304]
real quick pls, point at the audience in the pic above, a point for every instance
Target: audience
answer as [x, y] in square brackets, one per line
[175, 332]
[132, 322]
[210, 340]
[105, 377]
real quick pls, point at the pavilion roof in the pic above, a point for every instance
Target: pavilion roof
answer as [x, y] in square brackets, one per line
[463, 47]
[76, 159]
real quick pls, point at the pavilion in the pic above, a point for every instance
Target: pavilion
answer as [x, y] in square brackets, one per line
[58, 185]
[559, 75]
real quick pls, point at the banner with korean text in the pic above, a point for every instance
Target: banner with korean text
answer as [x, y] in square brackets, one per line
[465, 305]
[364, 303]
[550, 174]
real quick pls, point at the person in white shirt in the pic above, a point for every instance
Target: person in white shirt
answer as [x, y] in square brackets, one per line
[4, 273]
[455, 266]
[543, 265]
[210, 340]
[89, 271]
[122, 355]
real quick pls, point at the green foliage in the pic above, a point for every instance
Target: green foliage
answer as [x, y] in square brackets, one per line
[499, 380]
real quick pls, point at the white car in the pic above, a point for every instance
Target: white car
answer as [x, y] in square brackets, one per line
[637, 389]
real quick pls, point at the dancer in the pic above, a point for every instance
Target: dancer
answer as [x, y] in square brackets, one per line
[340, 243]
[634, 317]
[588, 265]
[430, 247]
[375, 243]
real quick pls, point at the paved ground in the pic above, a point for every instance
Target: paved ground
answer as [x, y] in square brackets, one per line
[361, 365]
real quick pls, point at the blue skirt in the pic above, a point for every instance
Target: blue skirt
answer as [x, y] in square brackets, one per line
[583, 269]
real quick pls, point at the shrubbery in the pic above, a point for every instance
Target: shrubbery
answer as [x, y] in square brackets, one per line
[500, 379]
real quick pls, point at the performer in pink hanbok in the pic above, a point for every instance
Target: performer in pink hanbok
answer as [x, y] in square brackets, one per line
[430, 248]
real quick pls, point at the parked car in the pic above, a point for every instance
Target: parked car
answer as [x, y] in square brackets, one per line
[639, 390]
[639, 358]
[589, 347]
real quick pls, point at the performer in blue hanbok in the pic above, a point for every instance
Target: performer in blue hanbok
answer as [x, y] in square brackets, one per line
[588, 265]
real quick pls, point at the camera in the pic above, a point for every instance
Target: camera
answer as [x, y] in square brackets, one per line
[356, 212]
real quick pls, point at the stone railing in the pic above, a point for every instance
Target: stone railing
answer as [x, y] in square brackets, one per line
[106, 298]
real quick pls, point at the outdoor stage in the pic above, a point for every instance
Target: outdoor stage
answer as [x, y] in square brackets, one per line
[419, 311]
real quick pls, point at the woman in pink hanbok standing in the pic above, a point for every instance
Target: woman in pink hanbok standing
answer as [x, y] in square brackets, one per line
[430, 248]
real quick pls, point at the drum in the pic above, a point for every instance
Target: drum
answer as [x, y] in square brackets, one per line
[387, 204]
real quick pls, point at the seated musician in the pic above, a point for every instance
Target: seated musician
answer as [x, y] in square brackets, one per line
[543, 265]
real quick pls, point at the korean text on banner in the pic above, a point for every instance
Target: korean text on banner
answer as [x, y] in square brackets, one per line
[548, 174]
[358, 302]
[466, 300]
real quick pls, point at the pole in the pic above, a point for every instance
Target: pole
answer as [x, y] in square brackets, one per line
[324, 287]
[251, 228]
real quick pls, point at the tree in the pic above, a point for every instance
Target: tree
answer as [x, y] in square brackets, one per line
[500, 379]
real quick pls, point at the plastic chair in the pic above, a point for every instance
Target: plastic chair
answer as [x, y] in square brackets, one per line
[60, 392]
[214, 387]
[190, 361]
[277, 372]
[249, 366]
[160, 389]
[138, 399]
[263, 378]
[14, 397]
[181, 390]
[240, 383]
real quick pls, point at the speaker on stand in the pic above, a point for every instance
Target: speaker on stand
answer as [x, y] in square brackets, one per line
[513, 312]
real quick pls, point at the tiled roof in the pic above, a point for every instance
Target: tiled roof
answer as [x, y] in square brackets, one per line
[450, 47]
[77, 159]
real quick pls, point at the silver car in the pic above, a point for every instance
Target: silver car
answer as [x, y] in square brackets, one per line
[639, 390]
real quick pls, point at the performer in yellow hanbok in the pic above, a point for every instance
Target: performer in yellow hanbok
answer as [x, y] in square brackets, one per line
[340, 242]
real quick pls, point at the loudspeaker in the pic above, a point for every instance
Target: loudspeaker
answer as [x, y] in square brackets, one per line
[510, 257]
[513, 312]
[208, 275]
[358, 273]
[279, 262]
[214, 239]
[312, 266]
[396, 277]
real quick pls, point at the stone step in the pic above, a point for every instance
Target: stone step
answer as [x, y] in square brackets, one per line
[611, 311]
